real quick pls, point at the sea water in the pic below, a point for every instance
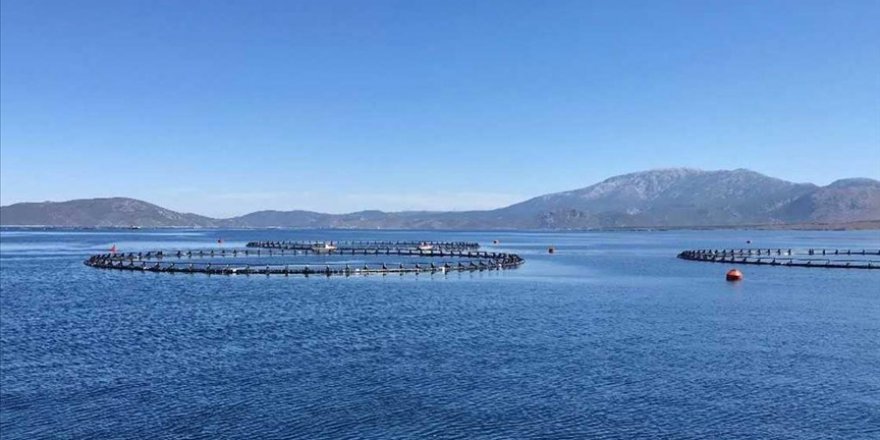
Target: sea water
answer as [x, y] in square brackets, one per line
[609, 337]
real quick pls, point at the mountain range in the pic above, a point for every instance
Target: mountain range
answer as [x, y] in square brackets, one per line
[678, 197]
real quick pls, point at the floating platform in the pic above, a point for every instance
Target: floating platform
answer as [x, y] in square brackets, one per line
[445, 257]
[820, 258]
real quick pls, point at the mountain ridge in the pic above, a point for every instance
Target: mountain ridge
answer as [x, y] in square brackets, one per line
[669, 197]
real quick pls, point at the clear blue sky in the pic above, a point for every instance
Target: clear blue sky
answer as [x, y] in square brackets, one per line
[224, 107]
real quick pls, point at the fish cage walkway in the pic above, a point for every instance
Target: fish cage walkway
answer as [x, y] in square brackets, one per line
[820, 258]
[443, 259]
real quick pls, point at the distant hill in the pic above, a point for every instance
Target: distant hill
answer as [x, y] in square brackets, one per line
[842, 201]
[670, 197]
[115, 211]
[678, 197]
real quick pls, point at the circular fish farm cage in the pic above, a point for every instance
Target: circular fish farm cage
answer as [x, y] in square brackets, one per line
[315, 258]
[816, 258]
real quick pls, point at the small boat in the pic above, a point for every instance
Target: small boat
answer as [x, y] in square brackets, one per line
[323, 248]
[425, 246]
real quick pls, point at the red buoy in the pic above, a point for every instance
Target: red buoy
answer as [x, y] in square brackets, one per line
[734, 275]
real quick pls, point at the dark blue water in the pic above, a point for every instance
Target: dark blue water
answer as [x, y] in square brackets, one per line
[611, 337]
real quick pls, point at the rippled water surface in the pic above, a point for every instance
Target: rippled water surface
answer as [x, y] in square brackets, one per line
[611, 337]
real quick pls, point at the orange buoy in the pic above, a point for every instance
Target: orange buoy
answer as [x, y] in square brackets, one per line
[551, 250]
[734, 275]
